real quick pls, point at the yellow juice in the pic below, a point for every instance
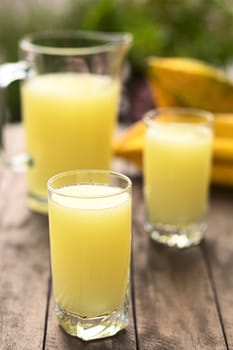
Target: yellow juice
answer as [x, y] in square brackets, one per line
[90, 248]
[177, 163]
[69, 121]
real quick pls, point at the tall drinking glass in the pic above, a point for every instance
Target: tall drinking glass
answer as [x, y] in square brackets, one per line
[177, 164]
[70, 97]
[90, 240]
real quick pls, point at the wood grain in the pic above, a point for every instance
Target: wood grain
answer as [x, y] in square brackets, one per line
[175, 304]
[181, 300]
[24, 261]
[218, 252]
[24, 268]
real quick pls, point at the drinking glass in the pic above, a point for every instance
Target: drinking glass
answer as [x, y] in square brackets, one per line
[70, 96]
[177, 165]
[90, 240]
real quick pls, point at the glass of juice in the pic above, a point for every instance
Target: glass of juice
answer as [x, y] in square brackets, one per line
[90, 241]
[71, 82]
[177, 165]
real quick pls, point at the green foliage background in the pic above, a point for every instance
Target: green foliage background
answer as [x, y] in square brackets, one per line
[194, 28]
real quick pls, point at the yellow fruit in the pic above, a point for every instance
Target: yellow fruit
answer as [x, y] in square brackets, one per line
[223, 125]
[222, 174]
[131, 143]
[223, 149]
[189, 83]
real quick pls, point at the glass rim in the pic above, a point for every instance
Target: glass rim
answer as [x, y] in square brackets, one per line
[149, 117]
[109, 42]
[64, 174]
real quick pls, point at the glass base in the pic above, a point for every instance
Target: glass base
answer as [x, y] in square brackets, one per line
[96, 327]
[174, 236]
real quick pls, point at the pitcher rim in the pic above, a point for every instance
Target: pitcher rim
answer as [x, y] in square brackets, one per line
[110, 42]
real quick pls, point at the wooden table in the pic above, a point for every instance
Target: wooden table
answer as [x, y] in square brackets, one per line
[179, 300]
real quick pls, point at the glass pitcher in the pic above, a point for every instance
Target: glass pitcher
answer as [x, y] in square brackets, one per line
[70, 91]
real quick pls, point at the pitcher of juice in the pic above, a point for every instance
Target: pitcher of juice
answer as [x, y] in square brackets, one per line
[71, 82]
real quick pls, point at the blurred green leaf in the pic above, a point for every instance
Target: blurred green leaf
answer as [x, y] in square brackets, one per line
[201, 29]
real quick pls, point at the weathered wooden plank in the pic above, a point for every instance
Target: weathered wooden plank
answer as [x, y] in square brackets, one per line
[218, 251]
[183, 299]
[24, 263]
[175, 305]
[24, 266]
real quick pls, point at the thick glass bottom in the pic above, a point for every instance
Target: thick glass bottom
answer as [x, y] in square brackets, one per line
[174, 236]
[96, 327]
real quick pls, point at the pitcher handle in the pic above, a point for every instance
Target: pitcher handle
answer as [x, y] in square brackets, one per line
[10, 72]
